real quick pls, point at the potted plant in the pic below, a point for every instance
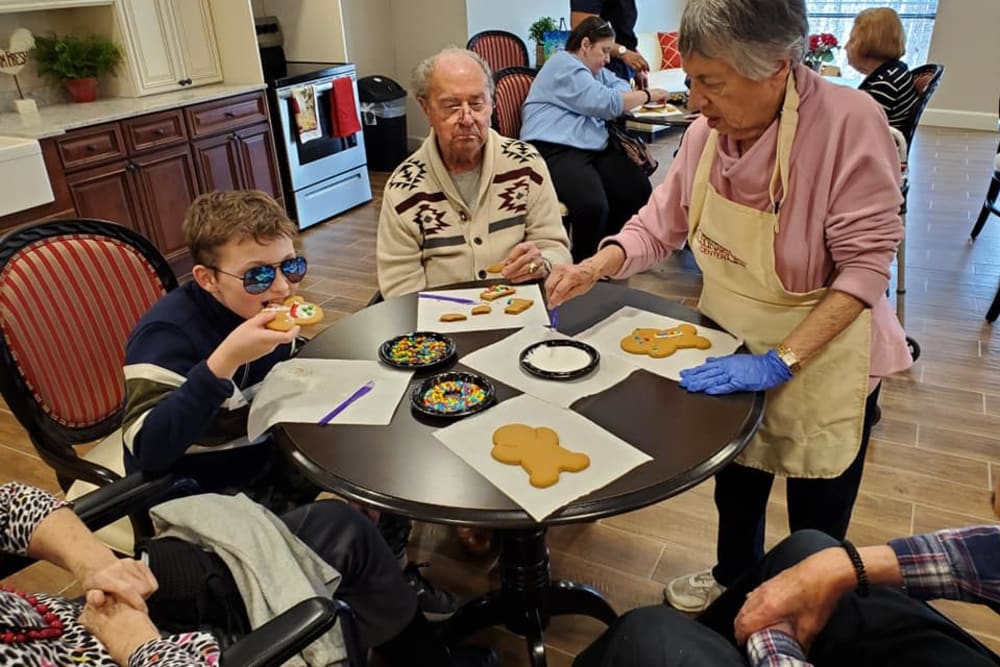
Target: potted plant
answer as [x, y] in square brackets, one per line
[76, 61]
[537, 32]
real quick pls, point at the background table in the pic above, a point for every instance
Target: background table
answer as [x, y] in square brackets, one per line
[403, 469]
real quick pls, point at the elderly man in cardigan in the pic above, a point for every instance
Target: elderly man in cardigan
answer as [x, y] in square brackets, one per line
[468, 204]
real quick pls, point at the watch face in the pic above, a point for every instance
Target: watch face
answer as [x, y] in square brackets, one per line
[622, 50]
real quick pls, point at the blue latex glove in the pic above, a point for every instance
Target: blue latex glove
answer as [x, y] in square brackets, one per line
[737, 372]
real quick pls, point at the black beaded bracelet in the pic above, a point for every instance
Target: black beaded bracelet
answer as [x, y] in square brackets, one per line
[859, 568]
[649, 97]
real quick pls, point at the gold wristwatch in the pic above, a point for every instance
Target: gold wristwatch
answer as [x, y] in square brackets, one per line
[789, 358]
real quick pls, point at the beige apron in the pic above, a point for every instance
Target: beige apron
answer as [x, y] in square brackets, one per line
[812, 424]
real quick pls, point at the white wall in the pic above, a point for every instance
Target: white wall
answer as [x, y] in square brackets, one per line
[368, 35]
[966, 42]
[313, 29]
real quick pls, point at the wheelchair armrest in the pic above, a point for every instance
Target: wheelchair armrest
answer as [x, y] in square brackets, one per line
[132, 493]
[283, 636]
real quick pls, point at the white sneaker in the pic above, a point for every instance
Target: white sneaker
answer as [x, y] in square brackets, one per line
[693, 592]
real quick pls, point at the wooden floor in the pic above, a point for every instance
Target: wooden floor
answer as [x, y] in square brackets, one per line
[931, 461]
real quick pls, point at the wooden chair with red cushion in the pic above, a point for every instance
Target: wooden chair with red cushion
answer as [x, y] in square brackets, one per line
[500, 49]
[70, 293]
[512, 86]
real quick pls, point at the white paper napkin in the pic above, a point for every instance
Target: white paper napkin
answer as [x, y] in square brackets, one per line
[607, 334]
[306, 390]
[429, 311]
[610, 456]
[501, 362]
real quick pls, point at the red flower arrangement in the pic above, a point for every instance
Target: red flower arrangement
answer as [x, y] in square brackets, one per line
[821, 47]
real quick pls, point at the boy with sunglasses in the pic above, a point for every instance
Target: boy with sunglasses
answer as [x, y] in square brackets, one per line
[192, 365]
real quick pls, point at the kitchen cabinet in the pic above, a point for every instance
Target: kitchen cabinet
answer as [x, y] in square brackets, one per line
[169, 45]
[143, 172]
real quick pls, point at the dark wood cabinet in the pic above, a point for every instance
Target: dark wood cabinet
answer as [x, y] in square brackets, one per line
[144, 172]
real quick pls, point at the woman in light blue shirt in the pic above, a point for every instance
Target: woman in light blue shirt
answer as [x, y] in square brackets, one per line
[565, 116]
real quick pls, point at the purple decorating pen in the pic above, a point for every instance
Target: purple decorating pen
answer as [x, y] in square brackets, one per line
[362, 390]
[554, 318]
[453, 299]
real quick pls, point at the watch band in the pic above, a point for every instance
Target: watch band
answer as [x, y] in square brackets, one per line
[649, 98]
[789, 358]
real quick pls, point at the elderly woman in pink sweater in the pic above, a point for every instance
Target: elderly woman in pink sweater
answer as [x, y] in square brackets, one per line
[787, 192]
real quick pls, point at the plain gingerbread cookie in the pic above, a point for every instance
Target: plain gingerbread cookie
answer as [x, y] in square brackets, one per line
[659, 343]
[538, 451]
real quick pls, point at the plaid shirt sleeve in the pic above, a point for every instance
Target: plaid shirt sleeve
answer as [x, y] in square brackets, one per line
[774, 648]
[956, 564]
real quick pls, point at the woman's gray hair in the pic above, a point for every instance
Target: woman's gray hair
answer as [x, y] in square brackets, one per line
[753, 36]
[423, 72]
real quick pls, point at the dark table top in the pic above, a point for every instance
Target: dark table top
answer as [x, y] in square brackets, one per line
[403, 468]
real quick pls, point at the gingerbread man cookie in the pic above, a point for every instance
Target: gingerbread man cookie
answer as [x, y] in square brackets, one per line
[538, 451]
[494, 292]
[295, 311]
[659, 343]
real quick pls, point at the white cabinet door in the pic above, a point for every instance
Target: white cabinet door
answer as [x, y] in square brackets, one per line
[169, 44]
[198, 52]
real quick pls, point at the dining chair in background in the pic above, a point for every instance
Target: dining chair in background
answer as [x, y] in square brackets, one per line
[70, 293]
[512, 86]
[925, 79]
[500, 49]
[990, 206]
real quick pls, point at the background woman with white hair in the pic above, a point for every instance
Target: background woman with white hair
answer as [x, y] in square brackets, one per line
[787, 192]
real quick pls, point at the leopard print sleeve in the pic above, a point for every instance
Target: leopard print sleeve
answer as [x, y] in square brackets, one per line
[22, 508]
[191, 649]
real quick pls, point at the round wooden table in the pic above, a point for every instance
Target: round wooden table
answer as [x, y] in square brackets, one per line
[402, 468]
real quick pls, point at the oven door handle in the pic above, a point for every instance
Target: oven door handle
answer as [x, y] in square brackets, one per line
[320, 88]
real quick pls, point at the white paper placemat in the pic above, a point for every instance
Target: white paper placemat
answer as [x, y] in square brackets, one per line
[501, 362]
[610, 456]
[607, 334]
[429, 311]
[306, 390]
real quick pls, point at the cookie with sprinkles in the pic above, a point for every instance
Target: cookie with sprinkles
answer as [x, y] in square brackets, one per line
[494, 292]
[417, 350]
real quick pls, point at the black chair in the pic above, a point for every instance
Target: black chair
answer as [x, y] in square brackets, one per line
[500, 49]
[925, 79]
[990, 203]
[271, 644]
[70, 293]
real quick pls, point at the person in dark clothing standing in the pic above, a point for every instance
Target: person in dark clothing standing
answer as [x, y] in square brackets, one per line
[626, 62]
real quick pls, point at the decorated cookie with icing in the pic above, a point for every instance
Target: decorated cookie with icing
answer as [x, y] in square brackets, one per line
[494, 292]
[295, 311]
[659, 343]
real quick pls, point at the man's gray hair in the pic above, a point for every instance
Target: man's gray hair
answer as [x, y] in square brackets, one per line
[423, 72]
[753, 36]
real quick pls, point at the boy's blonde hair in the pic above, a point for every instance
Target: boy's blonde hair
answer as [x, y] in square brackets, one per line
[878, 33]
[216, 218]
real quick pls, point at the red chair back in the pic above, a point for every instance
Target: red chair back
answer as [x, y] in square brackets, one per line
[500, 49]
[512, 86]
[70, 293]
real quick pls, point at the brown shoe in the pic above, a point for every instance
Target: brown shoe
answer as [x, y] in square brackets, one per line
[476, 541]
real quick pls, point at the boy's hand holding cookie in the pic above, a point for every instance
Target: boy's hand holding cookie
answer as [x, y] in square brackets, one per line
[248, 342]
[524, 263]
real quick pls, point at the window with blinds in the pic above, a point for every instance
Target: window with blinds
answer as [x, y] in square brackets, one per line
[837, 17]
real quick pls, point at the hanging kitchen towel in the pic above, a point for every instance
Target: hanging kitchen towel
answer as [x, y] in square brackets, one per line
[343, 110]
[306, 118]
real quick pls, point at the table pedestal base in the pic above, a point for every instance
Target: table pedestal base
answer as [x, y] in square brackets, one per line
[528, 597]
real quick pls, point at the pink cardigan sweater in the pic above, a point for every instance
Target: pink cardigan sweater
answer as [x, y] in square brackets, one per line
[839, 226]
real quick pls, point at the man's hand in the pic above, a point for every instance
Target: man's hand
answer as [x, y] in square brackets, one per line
[658, 95]
[737, 372]
[635, 60]
[248, 342]
[804, 596]
[130, 581]
[121, 628]
[524, 263]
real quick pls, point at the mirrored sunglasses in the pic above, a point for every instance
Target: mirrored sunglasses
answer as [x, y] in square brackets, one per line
[258, 279]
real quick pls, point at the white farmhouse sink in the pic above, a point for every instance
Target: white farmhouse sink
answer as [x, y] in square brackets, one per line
[24, 183]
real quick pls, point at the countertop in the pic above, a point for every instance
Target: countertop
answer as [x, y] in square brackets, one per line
[58, 118]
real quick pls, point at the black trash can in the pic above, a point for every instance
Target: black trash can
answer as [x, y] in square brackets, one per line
[383, 116]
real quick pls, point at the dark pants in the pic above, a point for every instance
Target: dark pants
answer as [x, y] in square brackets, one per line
[371, 581]
[601, 189]
[741, 495]
[886, 629]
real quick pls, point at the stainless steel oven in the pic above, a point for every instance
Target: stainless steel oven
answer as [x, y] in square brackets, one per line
[326, 175]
